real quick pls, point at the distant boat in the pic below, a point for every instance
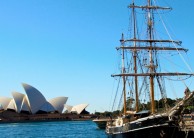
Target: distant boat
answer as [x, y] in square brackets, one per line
[101, 122]
[141, 72]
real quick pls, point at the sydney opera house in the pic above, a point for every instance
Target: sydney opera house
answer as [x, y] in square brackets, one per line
[34, 106]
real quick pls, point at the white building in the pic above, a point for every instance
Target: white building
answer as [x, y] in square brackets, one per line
[34, 102]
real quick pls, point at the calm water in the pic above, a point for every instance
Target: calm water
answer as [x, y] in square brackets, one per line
[66, 129]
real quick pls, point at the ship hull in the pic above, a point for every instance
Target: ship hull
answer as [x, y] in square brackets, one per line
[159, 131]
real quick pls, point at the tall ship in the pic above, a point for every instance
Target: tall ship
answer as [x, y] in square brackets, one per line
[150, 60]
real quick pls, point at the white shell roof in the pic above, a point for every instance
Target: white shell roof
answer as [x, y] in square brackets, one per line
[35, 99]
[47, 107]
[58, 103]
[18, 98]
[25, 105]
[12, 105]
[79, 108]
[68, 107]
[4, 101]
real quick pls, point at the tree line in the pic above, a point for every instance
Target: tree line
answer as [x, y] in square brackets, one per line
[160, 105]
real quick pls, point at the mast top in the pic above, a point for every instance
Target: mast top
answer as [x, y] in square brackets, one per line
[149, 7]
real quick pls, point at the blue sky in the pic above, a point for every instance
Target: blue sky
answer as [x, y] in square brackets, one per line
[67, 47]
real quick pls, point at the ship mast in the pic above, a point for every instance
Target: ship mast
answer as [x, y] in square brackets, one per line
[151, 66]
[135, 61]
[150, 44]
[124, 79]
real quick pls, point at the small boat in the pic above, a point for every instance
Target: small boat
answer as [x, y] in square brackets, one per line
[101, 122]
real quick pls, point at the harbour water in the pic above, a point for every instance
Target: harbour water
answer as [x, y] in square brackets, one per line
[65, 129]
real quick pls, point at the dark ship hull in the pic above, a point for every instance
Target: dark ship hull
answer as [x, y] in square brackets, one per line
[154, 132]
[154, 127]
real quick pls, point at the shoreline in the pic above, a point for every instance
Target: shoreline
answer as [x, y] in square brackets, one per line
[13, 117]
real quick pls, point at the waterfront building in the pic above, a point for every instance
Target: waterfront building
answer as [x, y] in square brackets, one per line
[34, 102]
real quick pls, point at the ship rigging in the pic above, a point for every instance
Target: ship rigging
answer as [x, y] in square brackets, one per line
[144, 68]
